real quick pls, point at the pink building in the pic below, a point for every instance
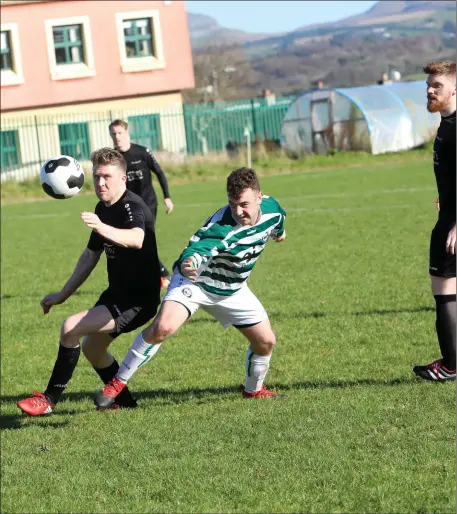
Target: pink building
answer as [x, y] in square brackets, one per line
[72, 58]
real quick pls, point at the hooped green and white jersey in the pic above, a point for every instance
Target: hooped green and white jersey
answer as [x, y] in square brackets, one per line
[226, 252]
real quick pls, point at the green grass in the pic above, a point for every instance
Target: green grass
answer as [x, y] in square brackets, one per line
[348, 296]
[217, 167]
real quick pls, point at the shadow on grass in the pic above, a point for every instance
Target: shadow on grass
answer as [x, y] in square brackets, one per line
[209, 394]
[198, 395]
[16, 422]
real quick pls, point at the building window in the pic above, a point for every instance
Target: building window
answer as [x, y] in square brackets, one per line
[10, 56]
[70, 51]
[140, 41]
[68, 44]
[145, 130]
[138, 38]
[74, 140]
[10, 149]
[7, 62]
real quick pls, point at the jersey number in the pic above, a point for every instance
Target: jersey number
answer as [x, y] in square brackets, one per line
[134, 175]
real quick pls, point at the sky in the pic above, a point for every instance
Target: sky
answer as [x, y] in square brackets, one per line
[275, 16]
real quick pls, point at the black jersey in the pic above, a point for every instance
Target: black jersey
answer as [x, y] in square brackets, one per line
[132, 273]
[445, 167]
[140, 163]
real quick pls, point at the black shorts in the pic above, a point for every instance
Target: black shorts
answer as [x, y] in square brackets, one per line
[128, 314]
[442, 263]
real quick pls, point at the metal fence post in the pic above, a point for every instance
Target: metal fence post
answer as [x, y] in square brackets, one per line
[247, 134]
[38, 140]
[254, 121]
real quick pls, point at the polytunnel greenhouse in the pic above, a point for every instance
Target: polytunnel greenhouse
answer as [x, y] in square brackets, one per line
[374, 119]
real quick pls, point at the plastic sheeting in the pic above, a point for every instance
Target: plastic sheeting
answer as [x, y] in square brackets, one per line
[375, 119]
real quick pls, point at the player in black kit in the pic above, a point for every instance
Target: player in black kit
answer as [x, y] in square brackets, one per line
[441, 97]
[140, 163]
[122, 227]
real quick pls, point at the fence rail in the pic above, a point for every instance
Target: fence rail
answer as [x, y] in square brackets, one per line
[189, 129]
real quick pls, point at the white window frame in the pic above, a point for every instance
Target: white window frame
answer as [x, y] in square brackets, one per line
[70, 71]
[15, 76]
[140, 63]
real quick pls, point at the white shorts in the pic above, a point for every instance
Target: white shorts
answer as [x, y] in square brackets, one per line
[241, 308]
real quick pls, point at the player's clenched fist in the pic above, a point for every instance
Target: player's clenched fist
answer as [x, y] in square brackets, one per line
[278, 239]
[91, 220]
[189, 268]
[51, 299]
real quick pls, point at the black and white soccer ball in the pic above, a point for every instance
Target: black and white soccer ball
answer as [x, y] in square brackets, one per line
[62, 177]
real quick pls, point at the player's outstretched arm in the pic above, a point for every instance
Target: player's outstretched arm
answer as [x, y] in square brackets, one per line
[86, 263]
[126, 237]
[207, 242]
[197, 253]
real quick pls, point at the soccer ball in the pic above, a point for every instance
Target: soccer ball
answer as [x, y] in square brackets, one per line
[62, 177]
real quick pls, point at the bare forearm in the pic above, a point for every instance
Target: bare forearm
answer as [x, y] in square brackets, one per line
[80, 274]
[127, 238]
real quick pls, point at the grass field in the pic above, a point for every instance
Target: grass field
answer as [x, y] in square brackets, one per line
[348, 296]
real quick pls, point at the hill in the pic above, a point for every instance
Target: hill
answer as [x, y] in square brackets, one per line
[400, 35]
[204, 29]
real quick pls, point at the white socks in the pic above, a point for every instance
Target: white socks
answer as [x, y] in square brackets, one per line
[256, 371]
[139, 353]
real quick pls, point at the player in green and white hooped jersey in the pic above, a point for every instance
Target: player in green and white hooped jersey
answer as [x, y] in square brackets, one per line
[212, 273]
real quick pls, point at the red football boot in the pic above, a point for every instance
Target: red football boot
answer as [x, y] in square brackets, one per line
[105, 398]
[263, 393]
[37, 405]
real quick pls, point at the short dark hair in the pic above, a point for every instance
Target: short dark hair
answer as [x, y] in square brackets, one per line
[108, 156]
[119, 123]
[446, 68]
[241, 179]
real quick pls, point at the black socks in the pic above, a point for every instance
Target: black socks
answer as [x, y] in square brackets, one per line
[125, 398]
[445, 327]
[67, 359]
